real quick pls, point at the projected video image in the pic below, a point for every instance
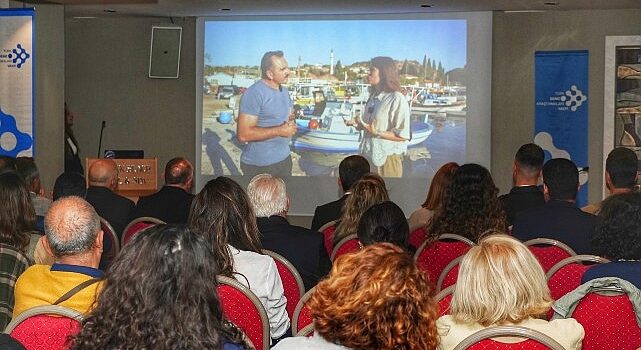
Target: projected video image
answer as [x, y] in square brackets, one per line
[332, 96]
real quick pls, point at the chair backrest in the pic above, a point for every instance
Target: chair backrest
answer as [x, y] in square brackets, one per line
[346, 245]
[444, 299]
[307, 331]
[449, 275]
[302, 315]
[432, 257]
[418, 237]
[242, 308]
[110, 242]
[45, 327]
[534, 340]
[14, 262]
[328, 236]
[549, 251]
[137, 225]
[609, 322]
[292, 282]
[566, 275]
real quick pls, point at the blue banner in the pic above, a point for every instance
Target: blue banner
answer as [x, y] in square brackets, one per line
[561, 111]
[17, 72]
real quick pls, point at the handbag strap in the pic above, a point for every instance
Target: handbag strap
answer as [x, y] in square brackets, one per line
[75, 290]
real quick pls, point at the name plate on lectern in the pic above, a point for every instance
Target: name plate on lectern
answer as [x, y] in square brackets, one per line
[135, 176]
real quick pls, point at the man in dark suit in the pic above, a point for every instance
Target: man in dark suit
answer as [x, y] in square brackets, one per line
[302, 247]
[172, 203]
[559, 218]
[349, 171]
[103, 181]
[526, 170]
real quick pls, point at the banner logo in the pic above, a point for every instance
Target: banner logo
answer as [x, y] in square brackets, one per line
[570, 99]
[15, 57]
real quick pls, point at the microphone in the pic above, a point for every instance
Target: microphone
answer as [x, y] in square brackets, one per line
[104, 123]
[280, 88]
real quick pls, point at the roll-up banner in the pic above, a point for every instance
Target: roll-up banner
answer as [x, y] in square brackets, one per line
[17, 73]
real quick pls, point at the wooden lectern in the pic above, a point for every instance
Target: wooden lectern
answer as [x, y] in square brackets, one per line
[136, 177]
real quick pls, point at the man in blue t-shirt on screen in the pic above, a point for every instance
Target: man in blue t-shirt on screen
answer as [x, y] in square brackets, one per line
[263, 122]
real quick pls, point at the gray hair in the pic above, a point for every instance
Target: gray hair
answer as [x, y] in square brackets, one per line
[268, 195]
[71, 226]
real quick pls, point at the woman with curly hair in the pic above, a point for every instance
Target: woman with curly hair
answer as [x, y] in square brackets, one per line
[223, 214]
[435, 196]
[500, 283]
[368, 190]
[160, 293]
[376, 298]
[617, 236]
[471, 206]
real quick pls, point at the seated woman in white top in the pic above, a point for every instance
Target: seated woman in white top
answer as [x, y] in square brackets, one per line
[222, 213]
[501, 283]
[376, 298]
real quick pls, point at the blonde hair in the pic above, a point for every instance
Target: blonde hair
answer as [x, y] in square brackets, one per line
[268, 195]
[499, 282]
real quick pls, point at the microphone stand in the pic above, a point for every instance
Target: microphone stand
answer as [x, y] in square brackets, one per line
[100, 140]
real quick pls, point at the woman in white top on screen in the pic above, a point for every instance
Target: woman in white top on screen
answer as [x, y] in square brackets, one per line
[223, 214]
[501, 283]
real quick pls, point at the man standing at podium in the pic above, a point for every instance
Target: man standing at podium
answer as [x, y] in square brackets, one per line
[263, 121]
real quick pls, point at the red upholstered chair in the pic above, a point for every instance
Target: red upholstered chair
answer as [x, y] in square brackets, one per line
[328, 236]
[111, 244]
[549, 251]
[137, 225]
[346, 245]
[444, 299]
[292, 282]
[449, 275]
[609, 322]
[533, 340]
[242, 308]
[45, 327]
[302, 315]
[566, 275]
[432, 257]
[417, 237]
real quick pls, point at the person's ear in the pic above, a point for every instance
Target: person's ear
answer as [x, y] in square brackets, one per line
[98, 243]
[46, 246]
[608, 181]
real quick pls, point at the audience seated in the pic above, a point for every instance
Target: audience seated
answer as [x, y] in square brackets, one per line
[29, 171]
[617, 236]
[7, 163]
[620, 175]
[501, 283]
[470, 207]
[376, 298]
[367, 191]
[17, 216]
[302, 247]
[160, 293]
[103, 181]
[349, 171]
[435, 196]
[559, 218]
[171, 204]
[526, 171]
[384, 222]
[70, 184]
[74, 239]
[222, 213]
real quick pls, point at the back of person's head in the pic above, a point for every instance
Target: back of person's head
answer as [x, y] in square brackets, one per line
[621, 166]
[27, 168]
[499, 282]
[7, 163]
[69, 184]
[529, 158]
[268, 195]
[376, 298]
[384, 222]
[223, 214]
[159, 293]
[71, 226]
[439, 186]
[103, 173]
[17, 217]
[561, 178]
[351, 169]
[178, 171]
[617, 234]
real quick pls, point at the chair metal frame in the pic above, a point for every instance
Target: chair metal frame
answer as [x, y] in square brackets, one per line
[509, 331]
[264, 319]
[550, 242]
[341, 243]
[43, 310]
[446, 270]
[306, 331]
[327, 225]
[299, 307]
[574, 259]
[291, 268]
[153, 220]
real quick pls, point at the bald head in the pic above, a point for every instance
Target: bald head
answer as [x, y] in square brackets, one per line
[179, 172]
[103, 173]
[71, 226]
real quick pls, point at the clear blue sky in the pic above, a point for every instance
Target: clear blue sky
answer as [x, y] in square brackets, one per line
[242, 43]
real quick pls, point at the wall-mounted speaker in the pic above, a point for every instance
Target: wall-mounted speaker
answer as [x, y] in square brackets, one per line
[164, 55]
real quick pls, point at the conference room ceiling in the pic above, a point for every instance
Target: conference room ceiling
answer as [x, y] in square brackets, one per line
[181, 8]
